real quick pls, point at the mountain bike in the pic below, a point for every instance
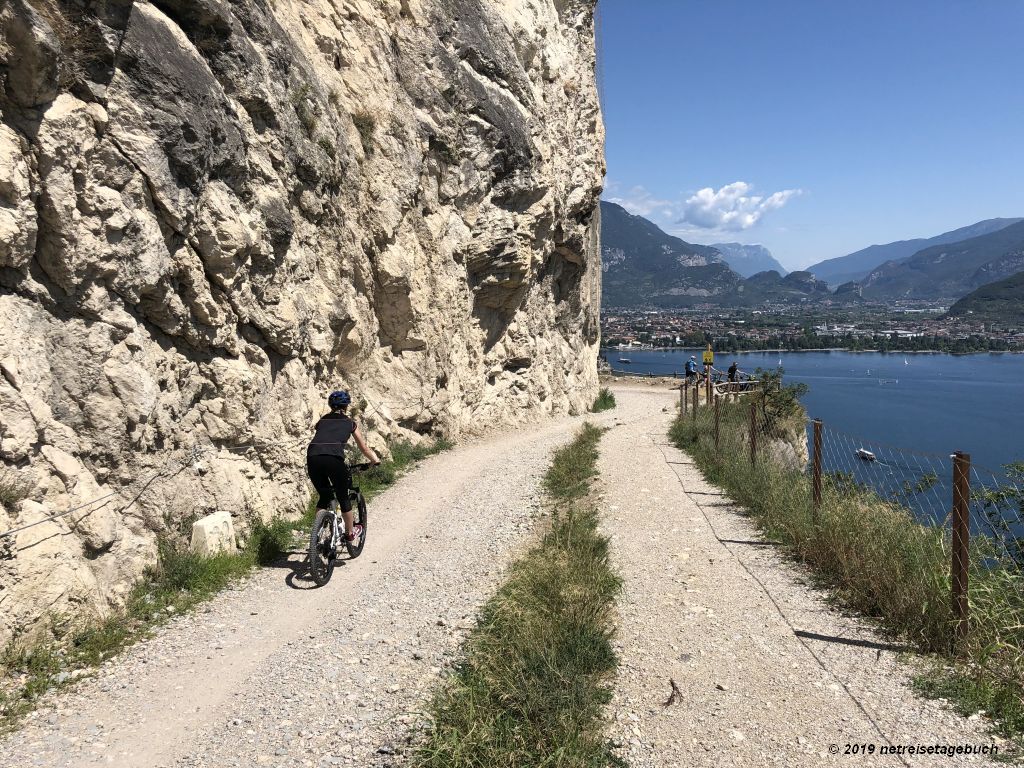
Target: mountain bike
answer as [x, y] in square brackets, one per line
[328, 532]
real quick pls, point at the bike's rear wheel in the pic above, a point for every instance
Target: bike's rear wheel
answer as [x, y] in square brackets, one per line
[355, 547]
[321, 554]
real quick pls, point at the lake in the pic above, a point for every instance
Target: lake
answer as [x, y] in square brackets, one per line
[929, 403]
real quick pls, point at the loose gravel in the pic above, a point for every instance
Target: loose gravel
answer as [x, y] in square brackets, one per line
[767, 672]
[275, 673]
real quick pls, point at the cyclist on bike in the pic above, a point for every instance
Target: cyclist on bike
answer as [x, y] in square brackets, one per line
[325, 458]
[691, 369]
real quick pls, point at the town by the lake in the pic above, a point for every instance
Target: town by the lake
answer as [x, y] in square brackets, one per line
[908, 328]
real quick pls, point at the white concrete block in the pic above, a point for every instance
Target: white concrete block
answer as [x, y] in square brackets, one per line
[213, 533]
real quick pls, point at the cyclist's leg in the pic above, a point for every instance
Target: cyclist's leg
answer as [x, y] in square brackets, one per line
[340, 481]
[319, 474]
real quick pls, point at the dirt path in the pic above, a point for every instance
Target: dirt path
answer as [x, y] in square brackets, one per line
[274, 673]
[767, 672]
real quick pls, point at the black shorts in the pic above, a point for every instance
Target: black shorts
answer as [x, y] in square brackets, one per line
[331, 479]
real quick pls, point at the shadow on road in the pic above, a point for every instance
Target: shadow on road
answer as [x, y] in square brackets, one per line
[851, 641]
[752, 543]
[297, 564]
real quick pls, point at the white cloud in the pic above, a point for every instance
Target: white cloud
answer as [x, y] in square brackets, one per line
[707, 213]
[731, 208]
[640, 202]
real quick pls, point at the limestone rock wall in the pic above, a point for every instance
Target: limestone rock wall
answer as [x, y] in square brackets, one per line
[212, 212]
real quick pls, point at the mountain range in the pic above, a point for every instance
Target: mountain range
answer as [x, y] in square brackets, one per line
[949, 271]
[646, 267]
[748, 260]
[858, 265]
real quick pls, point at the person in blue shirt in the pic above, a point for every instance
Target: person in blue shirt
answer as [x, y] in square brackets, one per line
[691, 369]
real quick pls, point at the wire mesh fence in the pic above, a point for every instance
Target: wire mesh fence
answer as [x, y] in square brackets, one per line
[930, 543]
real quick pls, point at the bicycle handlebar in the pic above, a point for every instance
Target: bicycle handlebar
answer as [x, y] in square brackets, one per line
[363, 467]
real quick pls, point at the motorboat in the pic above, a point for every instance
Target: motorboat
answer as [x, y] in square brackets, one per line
[865, 455]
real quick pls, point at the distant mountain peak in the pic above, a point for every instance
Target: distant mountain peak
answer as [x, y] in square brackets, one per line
[749, 258]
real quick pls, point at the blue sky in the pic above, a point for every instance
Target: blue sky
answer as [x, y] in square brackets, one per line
[815, 128]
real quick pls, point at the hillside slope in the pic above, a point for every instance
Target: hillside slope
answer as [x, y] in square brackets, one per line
[950, 271]
[856, 266]
[1001, 301]
[646, 267]
[213, 213]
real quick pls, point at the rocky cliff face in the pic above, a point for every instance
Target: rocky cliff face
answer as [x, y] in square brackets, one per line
[212, 212]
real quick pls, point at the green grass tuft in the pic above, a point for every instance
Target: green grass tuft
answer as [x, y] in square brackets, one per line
[536, 672]
[970, 692]
[605, 401]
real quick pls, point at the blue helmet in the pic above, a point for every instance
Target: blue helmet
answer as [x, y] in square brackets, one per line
[339, 399]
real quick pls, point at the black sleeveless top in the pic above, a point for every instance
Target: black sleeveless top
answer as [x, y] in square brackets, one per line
[332, 432]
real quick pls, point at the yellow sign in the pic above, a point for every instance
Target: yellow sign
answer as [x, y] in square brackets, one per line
[709, 357]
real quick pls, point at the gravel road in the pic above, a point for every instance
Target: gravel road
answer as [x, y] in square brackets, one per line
[768, 673]
[274, 673]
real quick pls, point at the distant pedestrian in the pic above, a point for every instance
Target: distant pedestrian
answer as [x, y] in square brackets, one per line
[734, 372]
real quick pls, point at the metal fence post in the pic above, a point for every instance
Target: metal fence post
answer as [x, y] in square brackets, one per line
[961, 542]
[817, 469]
[718, 414]
[753, 431]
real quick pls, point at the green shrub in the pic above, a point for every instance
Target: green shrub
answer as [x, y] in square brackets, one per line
[328, 146]
[605, 401]
[303, 110]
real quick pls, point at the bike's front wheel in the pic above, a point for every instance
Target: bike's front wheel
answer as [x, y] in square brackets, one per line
[321, 553]
[355, 547]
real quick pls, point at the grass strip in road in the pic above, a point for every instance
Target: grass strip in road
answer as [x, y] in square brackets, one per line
[178, 581]
[537, 668]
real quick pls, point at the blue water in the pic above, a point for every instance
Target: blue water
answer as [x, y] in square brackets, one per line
[935, 403]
